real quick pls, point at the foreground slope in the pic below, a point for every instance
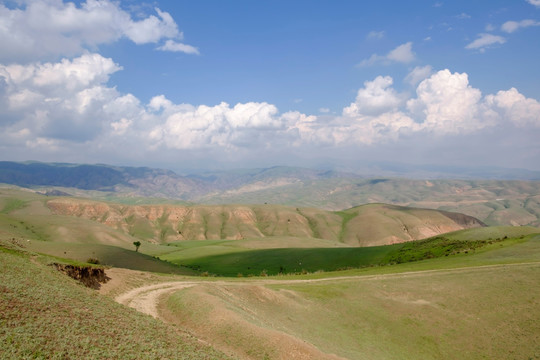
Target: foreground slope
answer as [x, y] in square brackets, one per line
[481, 305]
[474, 304]
[46, 315]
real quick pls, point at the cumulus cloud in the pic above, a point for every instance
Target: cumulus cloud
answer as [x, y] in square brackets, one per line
[446, 103]
[514, 107]
[220, 125]
[375, 97]
[534, 2]
[67, 99]
[401, 54]
[46, 29]
[484, 41]
[69, 105]
[511, 26]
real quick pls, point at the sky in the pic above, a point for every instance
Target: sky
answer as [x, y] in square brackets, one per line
[211, 84]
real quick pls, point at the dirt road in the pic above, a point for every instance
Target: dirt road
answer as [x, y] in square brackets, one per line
[146, 298]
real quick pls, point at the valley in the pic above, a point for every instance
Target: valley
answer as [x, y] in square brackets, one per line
[267, 281]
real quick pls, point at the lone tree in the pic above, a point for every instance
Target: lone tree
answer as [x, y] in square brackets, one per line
[137, 244]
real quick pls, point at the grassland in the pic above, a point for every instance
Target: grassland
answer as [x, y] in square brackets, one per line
[469, 294]
[282, 241]
[46, 315]
[470, 306]
[230, 258]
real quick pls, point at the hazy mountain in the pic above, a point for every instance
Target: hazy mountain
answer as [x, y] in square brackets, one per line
[495, 202]
[140, 181]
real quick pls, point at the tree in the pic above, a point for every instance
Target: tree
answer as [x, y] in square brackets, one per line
[137, 244]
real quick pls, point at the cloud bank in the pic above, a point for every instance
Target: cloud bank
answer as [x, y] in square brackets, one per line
[56, 106]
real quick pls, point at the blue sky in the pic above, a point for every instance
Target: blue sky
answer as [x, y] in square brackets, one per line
[217, 84]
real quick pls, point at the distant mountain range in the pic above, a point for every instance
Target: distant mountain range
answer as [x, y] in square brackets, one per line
[144, 181]
[493, 201]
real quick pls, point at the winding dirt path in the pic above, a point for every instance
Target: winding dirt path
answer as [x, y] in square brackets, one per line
[147, 298]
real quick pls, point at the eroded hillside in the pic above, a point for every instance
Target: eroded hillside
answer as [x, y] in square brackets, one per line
[368, 225]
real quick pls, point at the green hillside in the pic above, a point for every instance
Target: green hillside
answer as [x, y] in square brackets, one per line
[227, 258]
[46, 315]
[479, 305]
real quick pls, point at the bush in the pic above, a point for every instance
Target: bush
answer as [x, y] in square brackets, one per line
[92, 261]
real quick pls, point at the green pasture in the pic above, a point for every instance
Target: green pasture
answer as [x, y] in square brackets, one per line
[480, 305]
[223, 258]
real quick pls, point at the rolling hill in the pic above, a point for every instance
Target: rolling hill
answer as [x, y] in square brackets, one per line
[368, 225]
[482, 303]
[413, 299]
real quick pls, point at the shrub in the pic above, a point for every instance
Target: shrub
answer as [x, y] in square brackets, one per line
[92, 261]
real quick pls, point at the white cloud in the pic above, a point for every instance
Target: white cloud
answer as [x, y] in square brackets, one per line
[484, 41]
[324, 110]
[171, 45]
[446, 103]
[68, 107]
[418, 74]
[534, 2]
[375, 97]
[220, 125]
[46, 29]
[120, 127]
[402, 54]
[152, 29]
[159, 102]
[515, 107]
[67, 99]
[511, 26]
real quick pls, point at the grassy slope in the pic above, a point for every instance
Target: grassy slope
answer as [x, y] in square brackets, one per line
[46, 315]
[25, 217]
[426, 316]
[368, 225]
[468, 312]
[227, 259]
